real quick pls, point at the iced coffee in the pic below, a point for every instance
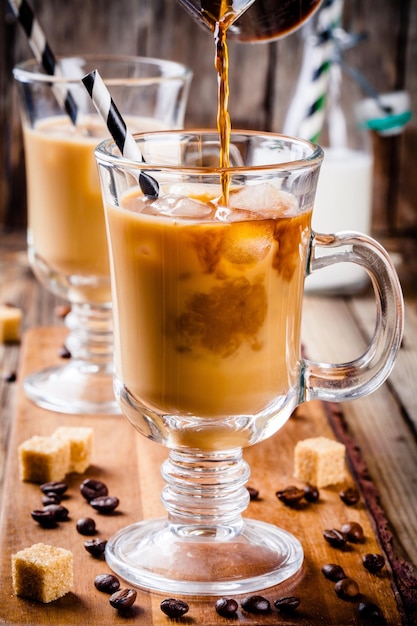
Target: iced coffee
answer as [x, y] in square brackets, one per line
[207, 297]
[67, 236]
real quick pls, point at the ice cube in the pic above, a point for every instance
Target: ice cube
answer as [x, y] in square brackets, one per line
[181, 207]
[263, 200]
[246, 243]
[199, 191]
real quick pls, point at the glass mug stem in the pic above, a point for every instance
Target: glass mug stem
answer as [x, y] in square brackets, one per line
[91, 334]
[206, 494]
[357, 378]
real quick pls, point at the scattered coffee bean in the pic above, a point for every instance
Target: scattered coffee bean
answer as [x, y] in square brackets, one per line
[226, 607]
[335, 537]
[256, 604]
[346, 589]
[290, 496]
[45, 518]
[64, 353]
[50, 499]
[59, 512]
[174, 608]
[123, 599]
[50, 514]
[107, 583]
[369, 610]
[311, 493]
[105, 504]
[86, 526]
[10, 377]
[55, 488]
[287, 604]
[353, 532]
[373, 562]
[349, 496]
[95, 547]
[333, 572]
[91, 489]
[253, 493]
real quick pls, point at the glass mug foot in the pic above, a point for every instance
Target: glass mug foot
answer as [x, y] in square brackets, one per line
[165, 557]
[75, 388]
[84, 384]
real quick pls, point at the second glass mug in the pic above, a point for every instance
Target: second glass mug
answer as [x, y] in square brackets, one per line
[67, 244]
[207, 283]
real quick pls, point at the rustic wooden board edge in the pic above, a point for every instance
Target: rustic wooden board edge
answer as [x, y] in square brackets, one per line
[404, 580]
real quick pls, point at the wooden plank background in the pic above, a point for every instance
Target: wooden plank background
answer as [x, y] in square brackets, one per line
[262, 81]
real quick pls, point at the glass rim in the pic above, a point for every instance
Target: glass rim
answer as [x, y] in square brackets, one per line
[31, 70]
[106, 152]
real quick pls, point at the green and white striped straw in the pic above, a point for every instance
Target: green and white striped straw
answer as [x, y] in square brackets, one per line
[306, 114]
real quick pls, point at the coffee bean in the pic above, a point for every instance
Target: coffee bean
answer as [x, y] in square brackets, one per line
[373, 562]
[50, 499]
[123, 599]
[174, 608]
[86, 526]
[333, 572]
[226, 607]
[64, 353]
[256, 604]
[311, 493]
[353, 532]
[369, 610]
[347, 588]
[287, 604]
[105, 504]
[349, 496]
[95, 547]
[58, 511]
[290, 496]
[50, 515]
[107, 583]
[55, 488]
[335, 537]
[91, 489]
[253, 493]
[45, 518]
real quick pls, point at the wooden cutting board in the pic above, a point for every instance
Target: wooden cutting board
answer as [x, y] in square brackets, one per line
[130, 466]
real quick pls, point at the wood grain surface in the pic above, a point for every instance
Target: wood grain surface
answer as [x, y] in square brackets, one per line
[129, 464]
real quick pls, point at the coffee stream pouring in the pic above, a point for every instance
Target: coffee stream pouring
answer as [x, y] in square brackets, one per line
[252, 20]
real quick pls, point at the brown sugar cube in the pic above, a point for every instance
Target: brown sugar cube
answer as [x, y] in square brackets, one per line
[81, 446]
[10, 323]
[44, 459]
[319, 461]
[41, 572]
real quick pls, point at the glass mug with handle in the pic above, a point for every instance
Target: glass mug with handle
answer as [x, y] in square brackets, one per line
[67, 244]
[207, 285]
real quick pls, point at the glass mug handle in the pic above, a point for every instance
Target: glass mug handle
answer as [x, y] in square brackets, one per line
[360, 377]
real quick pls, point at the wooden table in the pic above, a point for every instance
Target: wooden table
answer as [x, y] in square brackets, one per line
[380, 432]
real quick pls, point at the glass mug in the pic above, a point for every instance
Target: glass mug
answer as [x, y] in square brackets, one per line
[67, 244]
[207, 285]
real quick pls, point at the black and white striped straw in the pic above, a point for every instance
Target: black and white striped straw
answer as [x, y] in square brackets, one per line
[117, 128]
[43, 54]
